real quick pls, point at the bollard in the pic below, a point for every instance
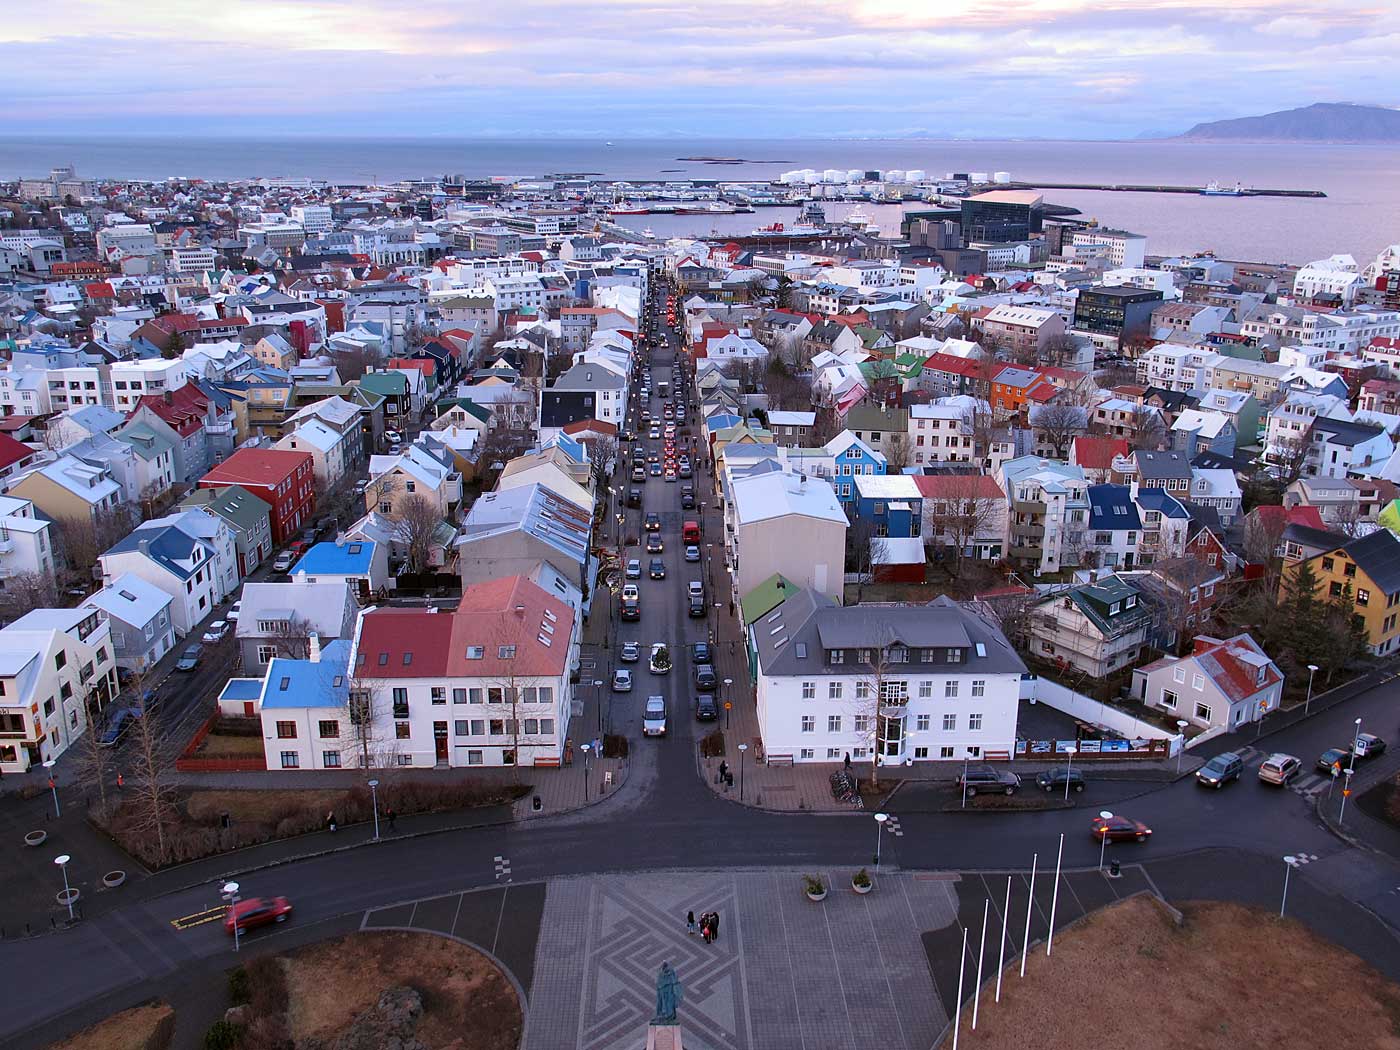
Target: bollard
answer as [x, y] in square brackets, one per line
[1115, 870]
[536, 803]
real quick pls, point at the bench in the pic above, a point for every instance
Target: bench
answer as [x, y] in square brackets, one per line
[780, 760]
[546, 762]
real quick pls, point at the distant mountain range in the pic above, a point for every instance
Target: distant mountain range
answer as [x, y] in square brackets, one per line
[1320, 122]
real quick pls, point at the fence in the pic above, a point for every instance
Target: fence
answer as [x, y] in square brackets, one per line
[1140, 737]
[189, 763]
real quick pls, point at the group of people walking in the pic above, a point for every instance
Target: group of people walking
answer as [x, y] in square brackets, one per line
[708, 925]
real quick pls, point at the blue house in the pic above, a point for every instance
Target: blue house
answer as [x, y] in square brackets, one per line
[364, 564]
[891, 502]
[848, 457]
[1114, 525]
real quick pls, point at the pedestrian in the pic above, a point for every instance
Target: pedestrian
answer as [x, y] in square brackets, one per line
[121, 782]
[330, 820]
[714, 925]
[690, 923]
[392, 817]
[705, 928]
[723, 770]
[848, 762]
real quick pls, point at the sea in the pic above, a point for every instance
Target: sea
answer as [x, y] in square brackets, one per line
[1359, 216]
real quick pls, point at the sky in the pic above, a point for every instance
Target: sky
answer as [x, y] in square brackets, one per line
[699, 68]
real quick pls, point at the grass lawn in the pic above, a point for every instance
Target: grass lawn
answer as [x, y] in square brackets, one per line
[260, 806]
[129, 1030]
[219, 745]
[1231, 978]
[468, 1004]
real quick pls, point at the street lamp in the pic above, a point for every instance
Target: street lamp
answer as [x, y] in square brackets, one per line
[1355, 741]
[598, 694]
[585, 748]
[230, 894]
[880, 819]
[1290, 862]
[1070, 751]
[1181, 725]
[62, 861]
[742, 749]
[374, 803]
[727, 683]
[1312, 670]
[53, 786]
[1103, 839]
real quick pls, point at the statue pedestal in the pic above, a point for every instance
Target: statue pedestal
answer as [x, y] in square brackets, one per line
[663, 1037]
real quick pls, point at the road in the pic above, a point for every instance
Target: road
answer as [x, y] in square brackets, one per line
[663, 817]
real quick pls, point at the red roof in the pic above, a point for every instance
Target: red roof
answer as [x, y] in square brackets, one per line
[263, 467]
[958, 486]
[1275, 517]
[426, 365]
[185, 410]
[99, 290]
[1226, 664]
[951, 363]
[1382, 342]
[12, 451]
[596, 427]
[1096, 453]
[222, 322]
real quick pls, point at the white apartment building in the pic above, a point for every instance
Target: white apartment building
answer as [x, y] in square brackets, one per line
[513, 293]
[1049, 516]
[133, 238]
[24, 393]
[1337, 275]
[941, 433]
[1174, 367]
[193, 260]
[26, 544]
[890, 683]
[1123, 249]
[867, 274]
[79, 385]
[1340, 332]
[132, 380]
[181, 564]
[315, 219]
[1291, 420]
[51, 661]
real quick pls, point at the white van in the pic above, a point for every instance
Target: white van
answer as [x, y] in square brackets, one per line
[654, 717]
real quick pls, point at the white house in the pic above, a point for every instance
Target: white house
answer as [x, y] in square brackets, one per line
[1222, 683]
[26, 544]
[183, 563]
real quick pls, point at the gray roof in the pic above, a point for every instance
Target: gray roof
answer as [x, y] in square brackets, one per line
[1163, 465]
[1378, 554]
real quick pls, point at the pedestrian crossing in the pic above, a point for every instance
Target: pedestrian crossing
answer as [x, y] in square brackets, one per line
[893, 828]
[502, 868]
[1306, 784]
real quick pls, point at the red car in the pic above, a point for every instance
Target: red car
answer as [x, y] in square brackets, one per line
[1119, 829]
[257, 911]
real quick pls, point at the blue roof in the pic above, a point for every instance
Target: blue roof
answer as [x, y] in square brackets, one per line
[169, 547]
[1111, 507]
[351, 558]
[242, 689]
[1160, 500]
[301, 683]
[722, 420]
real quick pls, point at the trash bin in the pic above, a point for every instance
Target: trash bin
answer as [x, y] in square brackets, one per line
[225, 821]
[1115, 870]
[536, 803]
[729, 779]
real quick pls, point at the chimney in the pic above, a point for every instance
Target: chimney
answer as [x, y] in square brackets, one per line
[520, 610]
[313, 648]
[169, 398]
[143, 545]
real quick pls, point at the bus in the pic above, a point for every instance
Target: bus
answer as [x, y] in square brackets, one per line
[663, 390]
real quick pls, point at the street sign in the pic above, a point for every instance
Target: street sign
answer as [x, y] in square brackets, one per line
[727, 705]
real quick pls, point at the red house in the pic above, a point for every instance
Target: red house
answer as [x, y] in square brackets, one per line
[281, 479]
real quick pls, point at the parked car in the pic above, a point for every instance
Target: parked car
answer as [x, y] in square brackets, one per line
[1368, 745]
[630, 653]
[1056, 777]
[987, 779]
[235, 611]
[391, 436]
[622, 680]
[700, 653]
[283, 561]
[660, 660]
[697, 610]
[1220, 770]
[634, 568]
[117, 726]
[1279, 769]
[692, 553]
[655, 544]
[654, 717]
[1333, 758]
[657, 569]
[189, 659]
[216, 632]
[705, 679]
[1119, 829]
[706, 708]
[255, 912]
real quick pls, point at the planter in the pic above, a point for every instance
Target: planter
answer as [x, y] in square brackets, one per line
[862, 890]
[67, 897]
[113, 879]
[816, 896]
[36, 838]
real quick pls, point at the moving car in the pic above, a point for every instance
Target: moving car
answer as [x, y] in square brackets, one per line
[1119, 829]
[653, 522]
[656, 470]
[634, 497]
[1056, 777]
[1220, 770]
[629, 592]
[655, 544]
[700, 653]
[670, 474]
[634, 568]
[987, 779]
[1333, 757]
[255, 912]
[622, 681]
[657, 569]
[706, 709]
[1368, 745]
[283, 561]
[654, 717]
[705, 679]
[695, 589]
[692, 553]
[216, 633]
[639, 473]
[631, 652]
[1279, 769]
[189, 659]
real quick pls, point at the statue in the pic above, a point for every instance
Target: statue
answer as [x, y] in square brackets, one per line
[669, 994]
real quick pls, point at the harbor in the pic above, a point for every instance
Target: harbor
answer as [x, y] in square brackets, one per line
[1209, 190]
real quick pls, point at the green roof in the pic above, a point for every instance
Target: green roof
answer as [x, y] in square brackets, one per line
[766, 597]
[386, 383]
[144, 440]
[233, 503]
[469, 406]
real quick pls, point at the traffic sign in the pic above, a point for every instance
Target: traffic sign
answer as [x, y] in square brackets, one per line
[728, 705]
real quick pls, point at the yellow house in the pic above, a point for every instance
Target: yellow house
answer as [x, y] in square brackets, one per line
[1370, 567]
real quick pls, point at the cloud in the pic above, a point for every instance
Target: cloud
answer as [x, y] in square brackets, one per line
[718, 67]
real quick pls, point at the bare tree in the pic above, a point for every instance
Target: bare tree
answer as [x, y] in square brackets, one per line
[368, 729]
[602, 457]
[1059, 348]
[880, 702]
[965, 510]
[1290, 459]
[291, 636]
[1011, 611]
[153, 796]
[1147, 432]
[746, 371]
[896, 451]
[1058, 424]
[865, 548]
[416, 521]
[25, 592]
[84, 540]
[96, 766]
[351, 363]
[1347, 519]
[977, 423]
[825, 426]
[1176, 596]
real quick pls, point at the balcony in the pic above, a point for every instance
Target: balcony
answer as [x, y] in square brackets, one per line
[1027, 506]
[1028, 533]
[1027, 552]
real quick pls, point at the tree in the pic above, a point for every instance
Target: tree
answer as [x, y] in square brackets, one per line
[1290, 458]
[865, 548]
[966, 508]
[152, 752]
[880, 703]
[292, 637]
[746, 371]
[352, 362]
[896, 450]
[884, 379]
[977, 423]
[96, 767]
[416, 521]
[1059, 348]
[602, 457]
[368, 727]
[1058, 424]
[83, 540]
[25, 592]
[1176, 608]
[825, 426]
[1147, 432]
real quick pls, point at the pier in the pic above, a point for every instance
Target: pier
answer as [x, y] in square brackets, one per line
[1112, 187]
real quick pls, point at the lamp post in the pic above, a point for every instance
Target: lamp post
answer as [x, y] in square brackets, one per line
[964, 783]
[230, 894]
[1103, 839]
[880, 819]
[1181, 725]
[1346, 793]
[585, 748]
[1312, 670]
[1070, 751]
[598, 693]
[62, 861]
[374, 804]
[742, 748]
[53, 786]
[1355, 741]
[727, 697]
[1289, 863]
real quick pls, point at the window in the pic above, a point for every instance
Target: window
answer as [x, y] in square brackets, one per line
[474, 758]
[1349, 569]
[1178, 674]
[833, 691]
[833, 723]
[546, 727]
[401, 731]
[833, 752]
[836, 656]
[809, 690]
[286, 730]
[532, 726]
[925, 689]
[955, 656]
[809, 723]
[439, 694]
[922, 722]
[60, 660]
[266, 653]
[330, 759]
[328, 729]
[979, 687]
[808, 752]
[862, 690]
[974, 722]
[921, 752]
[291, 760]
[1334, 589]
[476, 696]
[498, 726]
[462, 727]
[405, 760]
[862, 723]
[1198, 682]
[1203, 712]
[950, 689]
[459, 696]
[505, 652]
[1168, 698]
[860, 752]
[475, 652]
[950, 722]
[495, 694]
[1363, 596]
[945, 752]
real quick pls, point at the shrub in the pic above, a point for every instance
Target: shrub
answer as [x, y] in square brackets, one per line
[267, 986]
[712, 744]
[813, 884]
[615, 746]
[223, 1035]
[861, 878]
[239, 987]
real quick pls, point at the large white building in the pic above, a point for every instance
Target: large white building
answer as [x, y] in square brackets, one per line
[789, 524]
[906, 683]
[1123, 249]
[1336, 276]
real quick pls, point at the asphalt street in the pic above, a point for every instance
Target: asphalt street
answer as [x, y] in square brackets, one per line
[663, 817]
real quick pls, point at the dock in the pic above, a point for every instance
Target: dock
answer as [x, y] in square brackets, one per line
[1113, 187]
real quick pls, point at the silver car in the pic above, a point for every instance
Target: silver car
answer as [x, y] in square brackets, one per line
[654, 717]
